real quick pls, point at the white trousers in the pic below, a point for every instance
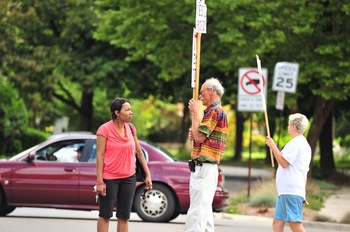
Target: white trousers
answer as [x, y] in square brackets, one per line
[203, 183]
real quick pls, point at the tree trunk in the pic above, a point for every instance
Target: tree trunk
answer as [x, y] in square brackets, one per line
[86, 111]
[185, 125]
[327, 166]
[240, 118]
[322, 109]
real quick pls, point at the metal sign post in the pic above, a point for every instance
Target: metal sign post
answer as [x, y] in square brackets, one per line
[284, 80]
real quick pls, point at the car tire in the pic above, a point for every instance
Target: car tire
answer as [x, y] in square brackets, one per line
[175, 214]
[4, 209]
[159, 204]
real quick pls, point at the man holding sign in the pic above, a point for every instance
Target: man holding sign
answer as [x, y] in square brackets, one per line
[209, 137]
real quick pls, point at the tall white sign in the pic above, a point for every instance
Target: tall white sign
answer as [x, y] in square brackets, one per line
[194, 59]
[201, 17]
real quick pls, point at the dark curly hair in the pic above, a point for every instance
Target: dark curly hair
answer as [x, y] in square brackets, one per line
[117, 104]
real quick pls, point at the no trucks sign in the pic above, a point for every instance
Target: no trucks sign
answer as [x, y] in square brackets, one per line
[249, 89]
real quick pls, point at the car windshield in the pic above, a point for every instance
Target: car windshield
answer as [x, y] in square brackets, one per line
[57, 136]
[164, 151]
[23, 153]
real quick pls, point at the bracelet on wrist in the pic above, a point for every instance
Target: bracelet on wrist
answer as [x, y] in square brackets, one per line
[100, 183]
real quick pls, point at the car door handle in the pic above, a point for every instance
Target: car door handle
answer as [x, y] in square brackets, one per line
[69, 169]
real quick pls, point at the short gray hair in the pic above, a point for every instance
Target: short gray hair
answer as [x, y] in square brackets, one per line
[300, 121]
[216, 85]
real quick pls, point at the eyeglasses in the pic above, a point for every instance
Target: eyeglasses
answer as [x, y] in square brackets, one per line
[207, 89]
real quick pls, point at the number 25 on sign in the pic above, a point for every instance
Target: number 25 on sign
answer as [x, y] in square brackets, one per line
[285, 77]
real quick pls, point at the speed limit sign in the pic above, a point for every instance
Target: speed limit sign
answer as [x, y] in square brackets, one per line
[285, 77]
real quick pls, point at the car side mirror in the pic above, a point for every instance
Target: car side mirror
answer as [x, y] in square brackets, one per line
[30, 158]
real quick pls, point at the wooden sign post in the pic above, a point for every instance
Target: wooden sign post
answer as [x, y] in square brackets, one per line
[264, 106]
[197, 67]
[201, 27]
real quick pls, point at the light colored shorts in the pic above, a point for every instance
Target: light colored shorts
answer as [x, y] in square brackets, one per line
[289, 208]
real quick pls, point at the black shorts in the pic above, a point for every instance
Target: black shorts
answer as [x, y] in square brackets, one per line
[119, 194]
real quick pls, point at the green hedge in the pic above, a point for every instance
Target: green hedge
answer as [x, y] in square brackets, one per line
[32, 137]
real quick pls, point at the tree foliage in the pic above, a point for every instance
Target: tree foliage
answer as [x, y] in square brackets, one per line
[157, 31]
[13, 119]
[311, 33]
[65, 51]
[55, 55]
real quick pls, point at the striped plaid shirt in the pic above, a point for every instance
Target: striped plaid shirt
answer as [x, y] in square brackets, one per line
[214, 125]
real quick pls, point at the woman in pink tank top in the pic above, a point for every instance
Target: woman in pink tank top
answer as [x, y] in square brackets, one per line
[115, 166]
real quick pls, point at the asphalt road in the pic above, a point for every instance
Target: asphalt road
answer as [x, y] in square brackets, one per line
[54, 220]
[36, 219]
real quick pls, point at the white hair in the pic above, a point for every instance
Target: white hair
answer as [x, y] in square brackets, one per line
[216, 85]
[300, 121]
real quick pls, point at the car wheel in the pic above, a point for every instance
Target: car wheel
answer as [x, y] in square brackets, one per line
[157, 206]
[4, 209]
[175, 214]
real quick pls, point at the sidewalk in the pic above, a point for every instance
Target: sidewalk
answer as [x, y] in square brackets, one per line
[335, 207]
[242, 172]
[268, 221]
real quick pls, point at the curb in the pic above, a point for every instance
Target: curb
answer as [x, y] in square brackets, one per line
[268, 221]
[327, 225]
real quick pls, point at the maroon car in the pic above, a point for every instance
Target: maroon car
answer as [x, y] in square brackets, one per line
[50, 175]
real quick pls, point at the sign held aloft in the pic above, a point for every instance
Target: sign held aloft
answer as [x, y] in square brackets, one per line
[201, 17]
[194, 59]
[201, 27]
[265, 108]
